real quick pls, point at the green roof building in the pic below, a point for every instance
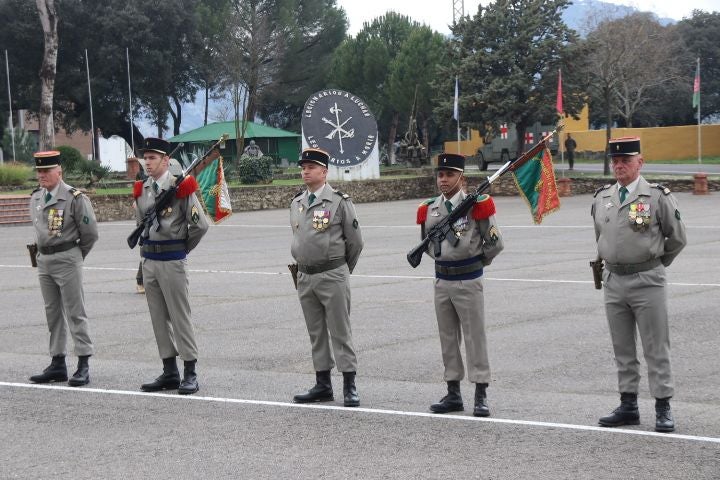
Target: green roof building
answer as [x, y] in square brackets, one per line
[279, 144]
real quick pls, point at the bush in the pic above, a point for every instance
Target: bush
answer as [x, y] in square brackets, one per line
[252, 170]
[25, 146]
[14, 174]
[71, 159]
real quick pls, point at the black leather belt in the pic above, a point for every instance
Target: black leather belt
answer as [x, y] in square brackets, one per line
[462, 270]
[63, 247]
[157, 248]
[323, 267]
[630, 268]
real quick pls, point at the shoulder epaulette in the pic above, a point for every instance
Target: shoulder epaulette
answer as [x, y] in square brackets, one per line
[75, 192]
[484, 207]
[662, 188]
[298, 194]
[345, 196]
[37, 189]
[138, 188]
[187, 187]
[423, 209]
[604, 187]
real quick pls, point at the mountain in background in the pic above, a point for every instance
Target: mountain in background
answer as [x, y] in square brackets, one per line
[575, 16]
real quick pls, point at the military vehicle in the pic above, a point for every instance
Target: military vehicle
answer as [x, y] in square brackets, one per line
[503, 146]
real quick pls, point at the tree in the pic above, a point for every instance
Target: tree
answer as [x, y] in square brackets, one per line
[701, 37]
[48, 20]
[507, 57]
[632, 58]
[364, 64]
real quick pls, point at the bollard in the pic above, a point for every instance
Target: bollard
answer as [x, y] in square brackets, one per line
[564, 187]
[701, 185]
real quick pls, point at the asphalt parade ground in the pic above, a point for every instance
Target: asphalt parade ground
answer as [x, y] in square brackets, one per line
[553, 372]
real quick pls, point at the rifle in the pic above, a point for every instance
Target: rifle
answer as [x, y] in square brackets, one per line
[443, 230]
[142, 231]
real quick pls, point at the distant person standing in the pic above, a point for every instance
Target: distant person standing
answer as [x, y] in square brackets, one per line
[66, 231]
[326, 244]
[639, 233]
[570, 146]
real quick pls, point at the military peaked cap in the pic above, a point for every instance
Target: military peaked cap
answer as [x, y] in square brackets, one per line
[156, 145]
[315, 155]
[451, 161]
[625, 146]
[48, 159]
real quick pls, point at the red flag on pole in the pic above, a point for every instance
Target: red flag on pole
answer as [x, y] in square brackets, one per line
[558, 101]
[696, 86]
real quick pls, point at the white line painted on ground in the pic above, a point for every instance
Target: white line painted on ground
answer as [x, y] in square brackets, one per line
[360, 275]
[376, 411]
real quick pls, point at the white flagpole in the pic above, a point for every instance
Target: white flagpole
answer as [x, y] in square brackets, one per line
[456, 112]
[698, 115]
[132, 127]
[12, 125]
[92, 124]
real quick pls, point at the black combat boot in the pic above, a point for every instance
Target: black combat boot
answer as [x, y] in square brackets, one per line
[189, 382]
[452, 402]
[55, 372]
[321, 392]
[351, 398]
[169, 380]
[664, 421]
[626, 414]
[82, 374]
[481, 406]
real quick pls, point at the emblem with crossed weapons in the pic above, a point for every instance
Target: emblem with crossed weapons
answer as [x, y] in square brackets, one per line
[338, 127]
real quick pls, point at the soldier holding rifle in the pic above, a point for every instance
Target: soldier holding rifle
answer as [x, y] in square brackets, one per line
[66, 230]
[326, 244]
[165, 242]
[459, 302]
[639, 232]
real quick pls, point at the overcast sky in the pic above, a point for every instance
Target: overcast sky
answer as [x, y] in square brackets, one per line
[438, 13]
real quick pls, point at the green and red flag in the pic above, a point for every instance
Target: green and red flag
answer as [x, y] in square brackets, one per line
[696, 86]
[536, 182]
[214, 191]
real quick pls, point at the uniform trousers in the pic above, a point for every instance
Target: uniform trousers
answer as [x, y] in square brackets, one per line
[325, 301]
[459, 307]
[167, 293]
[60, 276]
[639, 302]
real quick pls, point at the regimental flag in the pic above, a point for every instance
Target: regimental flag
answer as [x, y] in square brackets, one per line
[558, 100]
[214, 190]
[536, 182]
[696, 86]
[456, 107]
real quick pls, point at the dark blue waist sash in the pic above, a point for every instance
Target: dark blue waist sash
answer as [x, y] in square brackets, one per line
[164, 250]
[466, 269]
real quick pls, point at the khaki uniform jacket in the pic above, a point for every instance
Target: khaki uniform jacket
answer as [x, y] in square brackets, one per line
[622, 241]
[67, 217]
[317, 241]
[184, 220]
[479, 237]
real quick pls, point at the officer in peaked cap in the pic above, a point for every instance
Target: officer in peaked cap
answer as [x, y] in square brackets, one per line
[459, 301]
[176, 231]
[639, 233]
[326, 245]
[66, 231]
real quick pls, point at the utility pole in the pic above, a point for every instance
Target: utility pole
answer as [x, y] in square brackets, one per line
[458, 10]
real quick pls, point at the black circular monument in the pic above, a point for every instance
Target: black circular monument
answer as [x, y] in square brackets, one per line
[341, 124]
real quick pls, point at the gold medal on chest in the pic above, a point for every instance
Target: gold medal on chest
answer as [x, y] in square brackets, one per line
[321, 220]
[166, 212]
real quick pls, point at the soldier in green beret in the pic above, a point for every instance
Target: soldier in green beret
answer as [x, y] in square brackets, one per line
[66, 231]
[639, 233]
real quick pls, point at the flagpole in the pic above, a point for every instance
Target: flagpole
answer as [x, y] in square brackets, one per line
[698, 114]
[12, 125]
[92, 124]
[559, 108]
[132, 127]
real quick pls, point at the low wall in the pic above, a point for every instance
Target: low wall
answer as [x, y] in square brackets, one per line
[119, 207]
